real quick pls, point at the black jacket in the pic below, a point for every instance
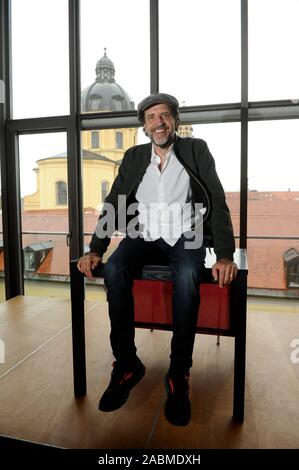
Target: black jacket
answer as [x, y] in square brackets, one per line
[196, 158]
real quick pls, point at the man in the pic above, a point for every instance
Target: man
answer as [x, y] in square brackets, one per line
[168, 172]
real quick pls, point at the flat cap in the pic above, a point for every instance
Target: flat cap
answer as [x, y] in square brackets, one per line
[152, 100]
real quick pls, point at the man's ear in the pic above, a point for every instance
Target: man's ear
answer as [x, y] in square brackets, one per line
[177, 123]
[144, 131]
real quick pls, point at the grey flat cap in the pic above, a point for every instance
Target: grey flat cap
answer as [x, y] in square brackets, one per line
[156, 98]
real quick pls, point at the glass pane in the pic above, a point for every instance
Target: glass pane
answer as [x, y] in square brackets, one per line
[40, 58]
[43, 179]
[273, 48]
[273, 202]
[100, 167]
[224, 143]
[268, 273]
[273, 155]
[200, 50]
[114, 55]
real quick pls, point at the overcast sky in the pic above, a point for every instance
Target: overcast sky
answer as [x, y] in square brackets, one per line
[199, 64]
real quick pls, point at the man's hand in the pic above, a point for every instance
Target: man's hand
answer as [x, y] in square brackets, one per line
[224, 271]
[87, 263]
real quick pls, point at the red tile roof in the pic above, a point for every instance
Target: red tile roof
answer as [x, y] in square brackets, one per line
[269, 214]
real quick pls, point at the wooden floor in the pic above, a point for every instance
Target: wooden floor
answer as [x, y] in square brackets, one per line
[37, 403]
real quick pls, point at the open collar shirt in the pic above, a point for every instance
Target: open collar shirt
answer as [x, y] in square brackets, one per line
[164, 200]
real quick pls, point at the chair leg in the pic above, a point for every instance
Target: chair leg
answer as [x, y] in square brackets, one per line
[239, 316]
[78, 330]
[218, 340]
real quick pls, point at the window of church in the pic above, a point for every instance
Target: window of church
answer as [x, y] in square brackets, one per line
[95, 104]
[119, 140]
[95, 140]
[117, 103]
[61, 193]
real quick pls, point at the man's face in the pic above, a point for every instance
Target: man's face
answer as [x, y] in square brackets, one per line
[159, 125]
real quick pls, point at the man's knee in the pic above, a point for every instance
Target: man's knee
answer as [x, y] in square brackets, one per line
[112, 269]
[187, 273]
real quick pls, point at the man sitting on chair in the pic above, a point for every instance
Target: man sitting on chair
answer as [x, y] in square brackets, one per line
[168, 173]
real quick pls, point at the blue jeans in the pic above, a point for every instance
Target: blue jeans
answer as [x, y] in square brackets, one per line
[124, 264]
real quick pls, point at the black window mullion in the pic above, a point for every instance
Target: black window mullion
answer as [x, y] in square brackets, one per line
[244, 124]
[154, 45]
[11, 203]
[73, 135]
[12, 226]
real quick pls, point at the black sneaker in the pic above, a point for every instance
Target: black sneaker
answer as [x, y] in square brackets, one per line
[177, 407]
[120, 385]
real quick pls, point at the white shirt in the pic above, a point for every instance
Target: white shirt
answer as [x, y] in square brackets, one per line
[164, 200]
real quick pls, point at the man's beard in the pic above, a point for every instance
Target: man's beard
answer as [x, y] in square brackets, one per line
[166, 144]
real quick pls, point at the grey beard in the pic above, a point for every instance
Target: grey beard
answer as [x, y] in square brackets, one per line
[167, 144]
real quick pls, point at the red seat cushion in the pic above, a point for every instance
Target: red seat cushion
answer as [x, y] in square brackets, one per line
[153, 300]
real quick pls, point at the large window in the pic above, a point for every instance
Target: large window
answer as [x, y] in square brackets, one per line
[224, 143]
[99, 170]
[273, 46]
[273, 152]
[200, 50]
[43, 177]
[189, 49]
[117, 46]
[40, 58]
[273, 200]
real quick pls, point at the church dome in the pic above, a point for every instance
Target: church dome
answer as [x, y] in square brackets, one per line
[105, 94]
